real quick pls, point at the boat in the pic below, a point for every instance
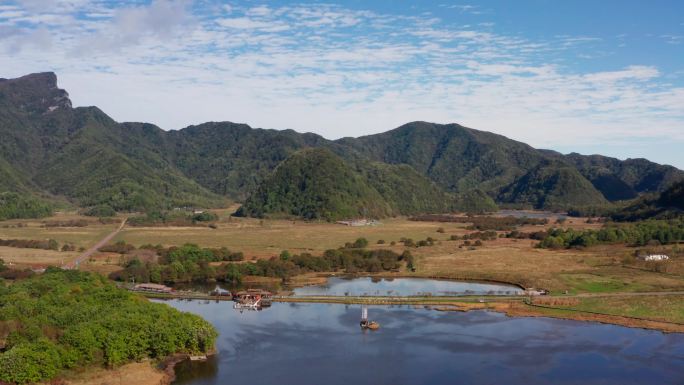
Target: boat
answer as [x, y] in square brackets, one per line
[218, 292]
[252, 299]
[365, 323]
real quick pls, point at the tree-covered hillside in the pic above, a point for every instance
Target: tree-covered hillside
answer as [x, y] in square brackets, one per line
[232, 159]
[619, 180]
[552, 186]
[666, 205]
[455, 157]
[460, 159]
[69, 319]
[405, 190]
[315, 184]
[83, 154]
[51, 150]
[17, 206]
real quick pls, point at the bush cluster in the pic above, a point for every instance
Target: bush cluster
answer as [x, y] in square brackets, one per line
[633, 234]
[482, 223]
[16, 206]
[192, 263]
[46, 244]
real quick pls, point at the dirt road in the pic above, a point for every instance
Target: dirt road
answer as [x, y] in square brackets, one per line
[86, 254]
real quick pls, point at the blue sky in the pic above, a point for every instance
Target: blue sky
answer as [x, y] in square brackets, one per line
[586, 76]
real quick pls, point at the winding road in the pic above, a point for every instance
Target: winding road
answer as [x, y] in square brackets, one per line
[86, 254]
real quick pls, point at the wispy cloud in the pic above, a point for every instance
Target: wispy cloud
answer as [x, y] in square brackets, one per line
[332, 69]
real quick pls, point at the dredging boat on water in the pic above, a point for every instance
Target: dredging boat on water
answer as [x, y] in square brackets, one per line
[252, 299]
[221, 293]
[365, 323]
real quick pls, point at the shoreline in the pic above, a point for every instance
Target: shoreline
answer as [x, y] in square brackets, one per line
[146, 372]
[512, 307]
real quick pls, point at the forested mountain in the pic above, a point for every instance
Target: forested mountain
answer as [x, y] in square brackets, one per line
[316, 184]
[232, 159]
[52, 151]
[668, 204]
[82, 154]
[620, 180]
[455, 157]
[552, 185]
[459, 159]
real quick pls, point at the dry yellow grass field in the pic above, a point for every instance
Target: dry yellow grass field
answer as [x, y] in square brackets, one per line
[265, 238]
[28, 258]
[594, 270]
[34, 229]
[79, 236]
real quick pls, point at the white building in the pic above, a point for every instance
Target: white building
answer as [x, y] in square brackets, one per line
[656, 257]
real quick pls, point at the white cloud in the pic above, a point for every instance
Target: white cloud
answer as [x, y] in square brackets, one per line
[335, 71]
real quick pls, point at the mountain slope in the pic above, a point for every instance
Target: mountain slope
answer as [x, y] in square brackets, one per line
[668, 204]
[315, 184]
[460, 159]
[455, 157]
[83, 154]
[232, 159]
[49, 149]
[619, 180]
[552, 186]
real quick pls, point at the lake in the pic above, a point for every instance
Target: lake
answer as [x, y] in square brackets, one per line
[359, 286]
[310, 343]
[404, 287]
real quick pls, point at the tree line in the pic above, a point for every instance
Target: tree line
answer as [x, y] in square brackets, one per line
[17, 206]
[192, 263]
[482, 223]
[634, 234]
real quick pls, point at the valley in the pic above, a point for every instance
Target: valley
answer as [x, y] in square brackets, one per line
[580, 273]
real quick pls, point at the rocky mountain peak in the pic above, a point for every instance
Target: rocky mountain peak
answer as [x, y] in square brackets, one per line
[35, 93]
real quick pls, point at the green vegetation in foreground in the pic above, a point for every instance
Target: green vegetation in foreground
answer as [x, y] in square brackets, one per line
[633, 234]
[19, 206]
[192, 263]
[62, 320]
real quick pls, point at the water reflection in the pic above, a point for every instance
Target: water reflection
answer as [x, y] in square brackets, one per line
[404, 287]
[322, 343]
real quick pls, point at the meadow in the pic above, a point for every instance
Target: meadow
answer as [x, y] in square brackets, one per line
[597, 269]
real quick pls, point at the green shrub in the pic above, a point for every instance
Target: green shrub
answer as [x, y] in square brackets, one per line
[101, 211]
[67, 319]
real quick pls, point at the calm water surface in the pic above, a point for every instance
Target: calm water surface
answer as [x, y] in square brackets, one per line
[303, 344]
[404, 287]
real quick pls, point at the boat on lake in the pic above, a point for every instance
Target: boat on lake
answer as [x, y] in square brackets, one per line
[252, 299]
[365, 323]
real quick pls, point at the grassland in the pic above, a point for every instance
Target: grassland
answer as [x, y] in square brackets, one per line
[266, 238]
[669, 308]
[83, 237]
[599, 270]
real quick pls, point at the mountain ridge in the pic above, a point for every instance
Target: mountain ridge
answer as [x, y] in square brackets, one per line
[83, 155]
